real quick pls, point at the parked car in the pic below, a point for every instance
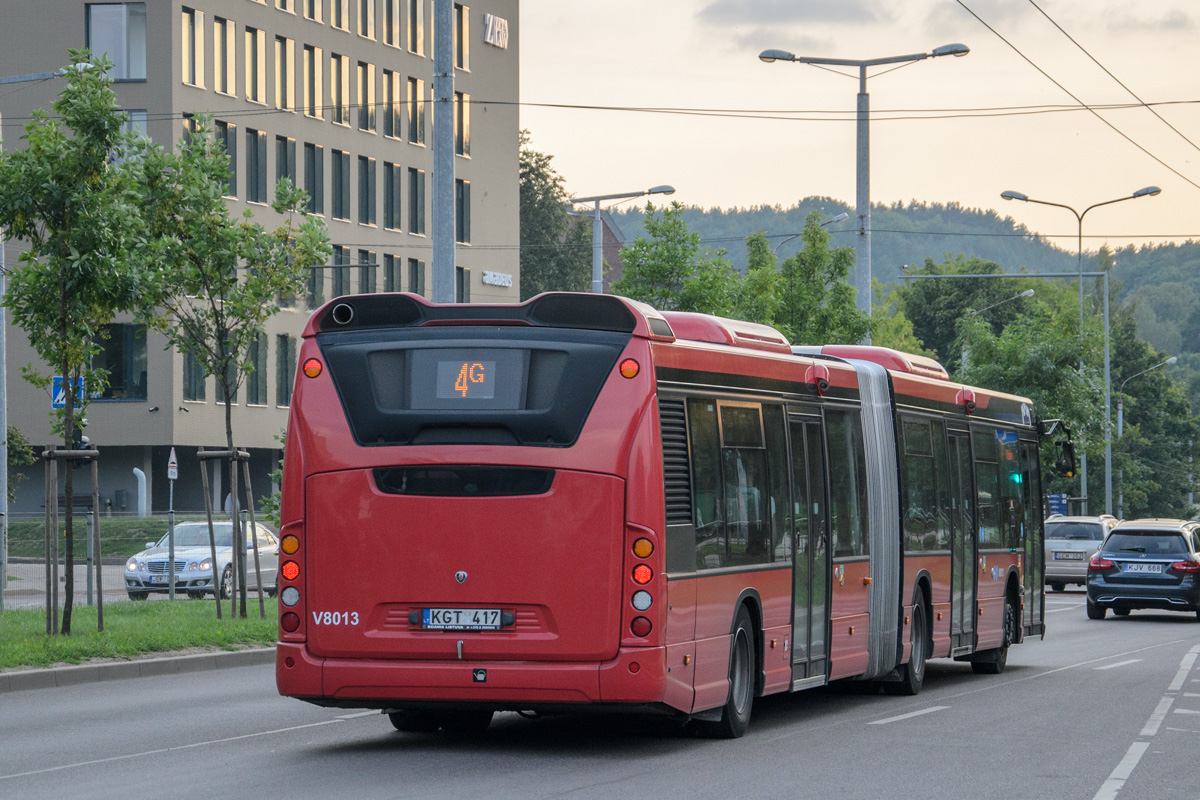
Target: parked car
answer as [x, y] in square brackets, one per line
[1070, 543]
[1146, 563]
[149, 570]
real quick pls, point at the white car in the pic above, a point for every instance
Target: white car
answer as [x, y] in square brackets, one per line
[149, 570]
[1070, 542]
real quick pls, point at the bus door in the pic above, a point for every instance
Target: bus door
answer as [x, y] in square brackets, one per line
[962, 545]
[1035, 553]
[810, 536]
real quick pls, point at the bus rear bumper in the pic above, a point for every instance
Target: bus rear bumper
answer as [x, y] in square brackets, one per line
[635, 677]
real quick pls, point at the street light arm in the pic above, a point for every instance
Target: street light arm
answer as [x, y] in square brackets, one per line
[663, 189]
[1011, 195]
[1170, 360]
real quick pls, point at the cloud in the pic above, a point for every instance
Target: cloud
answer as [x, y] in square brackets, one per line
[1173, 21]
[765, 13]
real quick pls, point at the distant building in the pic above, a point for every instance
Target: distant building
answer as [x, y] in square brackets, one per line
[335, 94]
[612, 242]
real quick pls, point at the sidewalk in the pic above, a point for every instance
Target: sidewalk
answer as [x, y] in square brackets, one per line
[22, 679]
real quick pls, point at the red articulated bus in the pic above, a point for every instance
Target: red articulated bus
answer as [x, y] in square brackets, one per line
[579, 502]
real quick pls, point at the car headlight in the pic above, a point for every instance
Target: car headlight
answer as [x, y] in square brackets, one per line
[206, 565]
[191, 566]
[131, 565]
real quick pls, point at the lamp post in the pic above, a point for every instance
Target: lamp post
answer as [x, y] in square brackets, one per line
[786, 239]
[1146, 191]
[1121, 428]
[862, 202]
[976, 312]
[598, 228]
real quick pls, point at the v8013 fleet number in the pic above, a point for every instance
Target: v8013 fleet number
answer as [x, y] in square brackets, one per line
[335, 617]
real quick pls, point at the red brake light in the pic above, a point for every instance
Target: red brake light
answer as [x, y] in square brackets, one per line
[642, 574]
[289, 622]
[1100, 563]
[1186, 566]
[629, 368]
[640, 626]
[290, 570]
[312, 367]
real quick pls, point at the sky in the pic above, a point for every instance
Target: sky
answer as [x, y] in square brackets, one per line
[775, 133]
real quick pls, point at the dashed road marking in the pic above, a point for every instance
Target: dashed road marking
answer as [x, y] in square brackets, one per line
[910, 715]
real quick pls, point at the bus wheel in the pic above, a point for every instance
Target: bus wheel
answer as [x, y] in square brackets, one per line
[912, 674]
[410, 721]
[465, 723]
[735, 715]
[994, 661]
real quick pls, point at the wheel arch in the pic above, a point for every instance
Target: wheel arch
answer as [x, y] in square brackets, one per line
[752, 601]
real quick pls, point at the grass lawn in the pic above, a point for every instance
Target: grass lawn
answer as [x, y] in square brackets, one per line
[131, 630]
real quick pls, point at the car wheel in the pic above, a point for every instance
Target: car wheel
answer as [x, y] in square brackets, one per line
[195, 595]
[994, 661]
[465, 723]
[411, 721]
[1121, 612]
[138, 595]
[735, 715]
[1095, 610]
[912, 674]
[1057, 586]
[227, 582]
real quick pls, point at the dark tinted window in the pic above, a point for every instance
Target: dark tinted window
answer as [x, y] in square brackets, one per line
[1075, 530]
[1151, 544]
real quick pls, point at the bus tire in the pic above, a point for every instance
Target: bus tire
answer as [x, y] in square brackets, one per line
[992, 662]
[413, 721]
[735, 715]
[465, 723]
[912, 674]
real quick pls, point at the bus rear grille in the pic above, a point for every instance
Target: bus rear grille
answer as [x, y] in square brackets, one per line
[672, 420]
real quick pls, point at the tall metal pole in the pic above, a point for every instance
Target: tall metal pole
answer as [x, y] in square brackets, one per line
[862, 200]
[597, 251]
[443, 151]
[1108, 506]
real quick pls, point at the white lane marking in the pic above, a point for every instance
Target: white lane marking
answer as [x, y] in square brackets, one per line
[1186, 711]
[1068, 608]
[1185, 667]
[1156, 719]
[910, 715]
[167, 750]
[1109, 789]
[1120, 664]
[360, 714]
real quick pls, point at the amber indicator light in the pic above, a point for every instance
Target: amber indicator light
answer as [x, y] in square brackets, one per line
[290, 570]
[312, 368]
[629, 368]
[642, 548]
[289, 544]
[642, 574]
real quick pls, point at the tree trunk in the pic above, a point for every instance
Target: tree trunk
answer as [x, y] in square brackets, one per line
[69, 495]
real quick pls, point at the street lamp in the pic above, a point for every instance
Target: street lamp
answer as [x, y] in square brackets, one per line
[1026, 293]
[1121, 428]
[598, 228]
[839, 218]
[862, 202]
[1146, 191]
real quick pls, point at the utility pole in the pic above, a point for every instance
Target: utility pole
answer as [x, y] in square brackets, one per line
[443, 151]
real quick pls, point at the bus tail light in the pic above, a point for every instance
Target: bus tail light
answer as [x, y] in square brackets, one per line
[289, 622]
[642, 574]
[290, 570]
[1186, 566]
[642, 600]
[1098, 562]
[643, 548]
[640, 627]
[629, 368]
[290, 596]
[312, 367]
[289, 544]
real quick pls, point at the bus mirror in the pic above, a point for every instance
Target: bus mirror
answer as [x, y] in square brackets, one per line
[1064, 463]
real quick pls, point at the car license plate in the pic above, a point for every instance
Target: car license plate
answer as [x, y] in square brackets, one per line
[1069, 556]
[461, 619]
[158, 578]
[1155, 568]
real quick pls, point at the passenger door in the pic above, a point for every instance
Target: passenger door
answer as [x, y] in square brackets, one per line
[962, 545]
[811, 553]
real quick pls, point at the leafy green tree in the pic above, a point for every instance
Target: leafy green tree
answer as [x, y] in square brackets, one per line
[75, 205]
[219, 279]
[556, 249]
[669, 269]
[756, 295]
[20, 454]
[816, 302]
[889, 325]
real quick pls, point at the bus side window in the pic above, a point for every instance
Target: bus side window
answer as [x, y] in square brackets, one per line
[705, 450]
[847, 483]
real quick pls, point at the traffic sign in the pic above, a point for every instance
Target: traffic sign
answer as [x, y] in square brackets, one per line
[59, 392]
[1057, 503]
[172, 466]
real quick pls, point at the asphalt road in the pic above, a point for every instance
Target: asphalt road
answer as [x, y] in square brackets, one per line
[1100, 709]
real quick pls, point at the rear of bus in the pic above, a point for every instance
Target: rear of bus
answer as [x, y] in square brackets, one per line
[472, 507]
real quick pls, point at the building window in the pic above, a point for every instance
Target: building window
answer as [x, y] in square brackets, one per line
[123, 356]
[416, 110]
[462, 285]
[284, 5]
[462, 211]
[256, 381]
[366, 190]
[392, 188]
[193, 47]
[338, 14]
[339, 87]
[256, 66]
[256, 166]
[391, 273]
[462, 38]
[226, 134]
[285, 78]
[341, 271]
[416, 276]
[118, 30]
[416, 201]
[366, 18]
[314, 95]
[193, 378]
[315, 290]
[285, 368]
[341, 184]
[366, 96]
[416, 27]
[391, 22]
[312, 9]
[392, 124]
[285, 159]
[366, 271]
[224, 56]
[462, 124]
[314, 177]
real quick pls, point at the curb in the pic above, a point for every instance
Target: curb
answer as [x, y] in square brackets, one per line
[22, 680]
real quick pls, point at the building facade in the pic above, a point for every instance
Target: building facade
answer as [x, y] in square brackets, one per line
[336, 95]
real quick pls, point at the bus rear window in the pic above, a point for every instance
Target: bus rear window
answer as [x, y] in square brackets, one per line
[467, 385]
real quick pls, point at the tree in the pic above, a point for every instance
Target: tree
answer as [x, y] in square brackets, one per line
[556, 250]
[20, 454]
[77, 208]
[889, 325]
[816, 304]
[669, 269]
[756, 295]
[219, 279]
